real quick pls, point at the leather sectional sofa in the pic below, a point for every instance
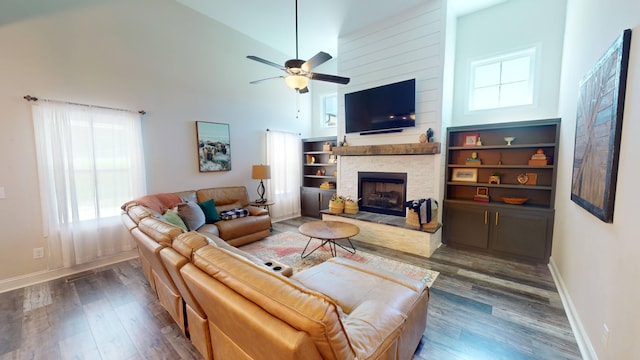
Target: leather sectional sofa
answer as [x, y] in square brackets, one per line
[233, 305]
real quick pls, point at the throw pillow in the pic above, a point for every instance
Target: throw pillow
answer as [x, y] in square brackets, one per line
[191, 214]
[234, 214]
[210, 212]
[172, 217]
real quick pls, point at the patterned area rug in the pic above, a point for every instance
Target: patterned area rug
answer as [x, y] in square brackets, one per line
[286, 247]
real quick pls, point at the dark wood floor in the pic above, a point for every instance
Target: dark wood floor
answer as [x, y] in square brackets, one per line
[480, 308]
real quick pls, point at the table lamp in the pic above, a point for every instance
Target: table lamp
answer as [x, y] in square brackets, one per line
[261, 172]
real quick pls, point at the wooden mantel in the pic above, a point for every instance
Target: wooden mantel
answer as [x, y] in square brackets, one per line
[389, 149]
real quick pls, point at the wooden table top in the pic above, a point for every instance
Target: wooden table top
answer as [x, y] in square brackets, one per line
[329, 230]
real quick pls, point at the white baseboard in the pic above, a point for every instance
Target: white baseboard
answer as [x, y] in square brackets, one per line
[584, 343]
[47, 275]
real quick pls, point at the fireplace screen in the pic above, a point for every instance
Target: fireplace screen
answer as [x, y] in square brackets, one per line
[382, 192]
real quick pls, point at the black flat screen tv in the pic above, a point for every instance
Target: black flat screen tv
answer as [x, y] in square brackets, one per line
[386, 108]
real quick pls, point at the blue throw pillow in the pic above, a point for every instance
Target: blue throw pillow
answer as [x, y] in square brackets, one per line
[210, 212]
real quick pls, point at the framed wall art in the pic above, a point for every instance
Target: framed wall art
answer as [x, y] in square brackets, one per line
[214, 147]
[464, 174]
[470, 140]
[598, 131]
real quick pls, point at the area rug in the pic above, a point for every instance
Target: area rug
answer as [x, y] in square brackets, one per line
[286, 247]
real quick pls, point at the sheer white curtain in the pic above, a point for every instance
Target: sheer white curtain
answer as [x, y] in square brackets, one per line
[284, 157]
[90, 162]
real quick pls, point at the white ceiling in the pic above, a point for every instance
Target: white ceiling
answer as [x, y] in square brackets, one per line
[320, 22]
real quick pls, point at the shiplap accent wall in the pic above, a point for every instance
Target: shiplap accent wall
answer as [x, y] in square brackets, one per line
[409, 45]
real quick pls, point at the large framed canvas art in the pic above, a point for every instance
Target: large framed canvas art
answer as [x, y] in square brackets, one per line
[598, 131]
[214, 147]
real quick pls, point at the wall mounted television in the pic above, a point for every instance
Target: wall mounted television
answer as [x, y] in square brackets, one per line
[386, 108]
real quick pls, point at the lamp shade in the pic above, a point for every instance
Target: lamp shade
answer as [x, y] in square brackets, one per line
[260, 172]
[296, 82]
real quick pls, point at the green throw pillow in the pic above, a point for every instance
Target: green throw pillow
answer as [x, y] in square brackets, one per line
[210, 212]
[172, 217]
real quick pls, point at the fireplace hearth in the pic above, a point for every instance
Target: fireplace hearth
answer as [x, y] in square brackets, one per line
[382, 192]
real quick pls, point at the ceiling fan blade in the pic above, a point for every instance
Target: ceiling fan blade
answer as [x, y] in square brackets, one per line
[261, 80]
[329, 78]
[255, 58]
[316, 60]
[303, 90]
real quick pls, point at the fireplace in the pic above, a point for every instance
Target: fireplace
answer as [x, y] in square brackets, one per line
[382, 192]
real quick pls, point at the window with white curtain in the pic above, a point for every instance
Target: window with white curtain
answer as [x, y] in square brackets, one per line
[284, 157]
[90, 162]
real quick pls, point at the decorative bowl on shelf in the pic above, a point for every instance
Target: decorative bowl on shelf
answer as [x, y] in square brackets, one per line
[514, 200]
[509, 139]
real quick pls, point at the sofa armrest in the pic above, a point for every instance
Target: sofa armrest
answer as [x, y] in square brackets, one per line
[372, 326]
[257, 211]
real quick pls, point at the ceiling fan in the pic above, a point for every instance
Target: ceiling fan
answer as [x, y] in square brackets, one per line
[299, 72]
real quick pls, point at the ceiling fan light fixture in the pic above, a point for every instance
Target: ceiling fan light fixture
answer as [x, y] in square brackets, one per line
[296, 82]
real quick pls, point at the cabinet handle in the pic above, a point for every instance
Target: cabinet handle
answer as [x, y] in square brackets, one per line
[486, 217]
[320, 195]
[497, 214]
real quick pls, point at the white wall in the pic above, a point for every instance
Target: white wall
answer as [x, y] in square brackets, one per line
[598, 262]
[511, 26]
[155, 55]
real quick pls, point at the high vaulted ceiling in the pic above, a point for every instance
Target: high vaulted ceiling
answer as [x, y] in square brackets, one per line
[320, 22]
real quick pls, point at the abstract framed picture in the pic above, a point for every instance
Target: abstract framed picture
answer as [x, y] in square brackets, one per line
[214, 147]
[598, 131]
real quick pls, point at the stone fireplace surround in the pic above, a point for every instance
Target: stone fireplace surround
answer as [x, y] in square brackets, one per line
[421, 163]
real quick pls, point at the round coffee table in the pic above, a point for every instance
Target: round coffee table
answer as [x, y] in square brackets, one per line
[329, 232]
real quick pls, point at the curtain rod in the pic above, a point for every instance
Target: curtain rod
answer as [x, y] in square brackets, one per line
[289, 132]
[33, 98]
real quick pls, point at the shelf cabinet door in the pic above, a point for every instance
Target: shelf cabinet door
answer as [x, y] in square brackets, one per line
[313, 200]
[466, 226]
[522, 233]
[310, 199]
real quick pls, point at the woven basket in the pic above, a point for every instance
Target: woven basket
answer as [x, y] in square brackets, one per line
[336, 207]
[351, 207]
[413, 220]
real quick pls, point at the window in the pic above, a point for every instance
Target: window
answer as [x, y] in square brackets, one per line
[283, 155]
[330, 111]
[502, 81]
[89, 163]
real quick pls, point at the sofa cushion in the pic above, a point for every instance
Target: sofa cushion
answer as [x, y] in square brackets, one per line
[234, 214]
[192, 215]
[301, 308]
[188, 195]
[172, 216]
[159, 230]
[210, 230]
[187, 243]
[225, 196]
[210, 212]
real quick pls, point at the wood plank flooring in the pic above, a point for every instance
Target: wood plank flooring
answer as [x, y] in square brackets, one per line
[480, 308]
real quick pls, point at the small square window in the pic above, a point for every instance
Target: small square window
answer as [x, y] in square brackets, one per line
[502, 81]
